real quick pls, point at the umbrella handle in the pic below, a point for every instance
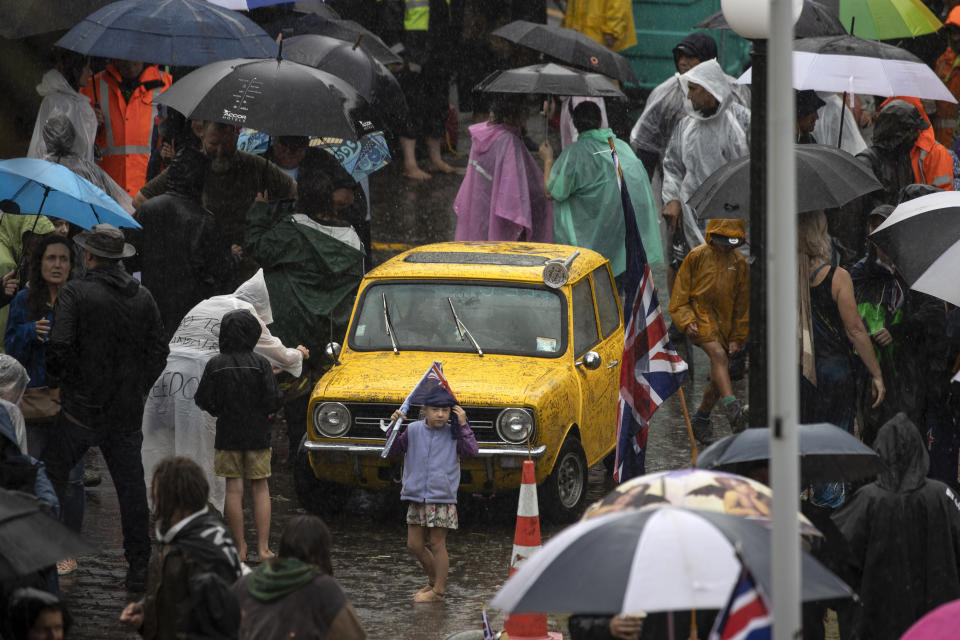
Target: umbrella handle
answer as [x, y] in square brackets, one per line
[36, 219]
[842, 118]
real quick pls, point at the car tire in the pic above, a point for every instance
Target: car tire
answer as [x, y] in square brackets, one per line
[320, 498]
[564, 492]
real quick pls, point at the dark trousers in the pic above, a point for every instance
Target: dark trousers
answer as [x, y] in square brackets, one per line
[121, 450]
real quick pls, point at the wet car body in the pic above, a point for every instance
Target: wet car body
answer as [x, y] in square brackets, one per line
[545, 385]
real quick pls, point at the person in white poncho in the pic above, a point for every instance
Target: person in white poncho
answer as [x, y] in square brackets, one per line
[173, 425]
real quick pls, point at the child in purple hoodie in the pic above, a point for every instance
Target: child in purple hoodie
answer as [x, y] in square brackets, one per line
[431, 475]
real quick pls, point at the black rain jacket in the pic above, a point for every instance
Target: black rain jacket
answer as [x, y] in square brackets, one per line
[238, 387]
[106, 348]
[904, 535]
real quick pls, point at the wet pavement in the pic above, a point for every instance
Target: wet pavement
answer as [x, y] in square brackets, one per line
[369, 557]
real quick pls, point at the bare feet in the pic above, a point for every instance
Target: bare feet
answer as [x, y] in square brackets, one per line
[242, 552]
[416, 173]
[439, 166]
[266, 554]
[429, 596]
[429, 587]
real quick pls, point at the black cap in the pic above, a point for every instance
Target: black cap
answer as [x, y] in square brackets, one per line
[807, 102]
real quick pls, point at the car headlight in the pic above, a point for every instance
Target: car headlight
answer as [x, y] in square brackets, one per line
[515, 425]
[331, 419]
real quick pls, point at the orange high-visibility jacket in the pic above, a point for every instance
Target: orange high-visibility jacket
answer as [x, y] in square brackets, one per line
[945, 122]
[124, 138]
[931, 161]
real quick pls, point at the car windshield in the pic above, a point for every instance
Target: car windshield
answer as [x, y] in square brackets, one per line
[507, 320]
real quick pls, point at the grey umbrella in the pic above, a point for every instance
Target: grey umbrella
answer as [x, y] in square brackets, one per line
[660, 559]
[550, 79]
[826, 178]
[30, 539]
[815, 20]
[827, 454]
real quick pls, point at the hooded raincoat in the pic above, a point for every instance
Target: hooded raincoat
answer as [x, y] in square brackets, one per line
[172, 422]
[713, 288]
[827, 129]
[702, 144]
[587, 210]
[904, 535]
[60, 98]
[501, 197]
[931, 161]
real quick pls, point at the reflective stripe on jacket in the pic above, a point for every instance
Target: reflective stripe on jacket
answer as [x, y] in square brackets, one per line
[124, 138]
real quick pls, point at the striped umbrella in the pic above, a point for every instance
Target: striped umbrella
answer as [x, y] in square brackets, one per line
[888, 19]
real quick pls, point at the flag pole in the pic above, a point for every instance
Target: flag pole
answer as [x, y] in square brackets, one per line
[686, 416]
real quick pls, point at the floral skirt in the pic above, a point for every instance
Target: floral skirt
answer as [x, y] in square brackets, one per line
[433, 515]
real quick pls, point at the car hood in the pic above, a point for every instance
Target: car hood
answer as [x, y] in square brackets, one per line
[493, 380]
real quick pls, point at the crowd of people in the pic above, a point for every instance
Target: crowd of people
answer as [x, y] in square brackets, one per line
[246, 267]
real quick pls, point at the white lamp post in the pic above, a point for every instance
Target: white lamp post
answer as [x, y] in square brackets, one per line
[774, 20]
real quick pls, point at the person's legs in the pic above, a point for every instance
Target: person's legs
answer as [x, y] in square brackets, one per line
[701, 424]
[233, 513]
[260, 490]
[410, 167]
[441, 561]
[121, 451]
[437, 163]
[60, 455]
[416, 543]
[720, 379]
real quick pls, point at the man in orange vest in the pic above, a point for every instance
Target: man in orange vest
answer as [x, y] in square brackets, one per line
[948, 70]
[124, 98]
[931, 161]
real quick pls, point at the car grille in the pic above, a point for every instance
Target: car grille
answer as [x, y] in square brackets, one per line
[367, 416]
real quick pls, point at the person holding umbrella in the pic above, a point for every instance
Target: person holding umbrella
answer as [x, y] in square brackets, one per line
[502, 195]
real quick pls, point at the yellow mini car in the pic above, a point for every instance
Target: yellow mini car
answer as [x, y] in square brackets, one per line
[530, 337]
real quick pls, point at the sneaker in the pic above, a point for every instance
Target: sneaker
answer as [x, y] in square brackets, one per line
[91, 478]
[67, 566]
[738, 415]
[702, 429]
[136, 581]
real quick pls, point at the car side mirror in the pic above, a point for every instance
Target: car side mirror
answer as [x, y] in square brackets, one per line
[591, 360]
[333, 350]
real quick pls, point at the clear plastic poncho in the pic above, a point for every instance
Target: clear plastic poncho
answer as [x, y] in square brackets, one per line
[59, 136]
[59, 97]
[702, 144]
[664, 109]
[827, 129]
[13, 382]
[173, 425]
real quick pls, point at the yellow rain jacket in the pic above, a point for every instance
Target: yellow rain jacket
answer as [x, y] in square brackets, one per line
[593, 18]
[713, 288]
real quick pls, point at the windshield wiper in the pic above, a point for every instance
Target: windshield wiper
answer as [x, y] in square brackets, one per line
[389, 325]
[462, 328]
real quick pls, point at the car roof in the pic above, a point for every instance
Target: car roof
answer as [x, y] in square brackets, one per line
[502, 261]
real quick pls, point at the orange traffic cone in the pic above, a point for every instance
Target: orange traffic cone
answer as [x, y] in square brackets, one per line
[526, 541]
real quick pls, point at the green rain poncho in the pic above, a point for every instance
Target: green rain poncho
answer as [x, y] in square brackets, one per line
[587, 210]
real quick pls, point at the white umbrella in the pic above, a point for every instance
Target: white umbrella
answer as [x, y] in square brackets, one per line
[861, 74]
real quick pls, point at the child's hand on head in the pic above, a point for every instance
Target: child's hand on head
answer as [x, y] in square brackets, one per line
[461, 414]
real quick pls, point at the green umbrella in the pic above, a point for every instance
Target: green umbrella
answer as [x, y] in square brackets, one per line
[888, 19]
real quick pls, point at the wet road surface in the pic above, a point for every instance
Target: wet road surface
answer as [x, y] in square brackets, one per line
[369, 557]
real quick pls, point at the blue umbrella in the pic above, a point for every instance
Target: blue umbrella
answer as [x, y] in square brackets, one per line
[38, 186]
[188, 33]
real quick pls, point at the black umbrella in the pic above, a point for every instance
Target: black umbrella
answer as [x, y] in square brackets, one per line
[847, 45]
[30, 539]
[568, 46]
[826, 177]
[827, 454]
[815, 20]
[21, 19]
[318, 7]
[187, 33]
[368, 76]
[550, 79]
[656, 559]
[922, 237]
[302, 24]
[278, 97]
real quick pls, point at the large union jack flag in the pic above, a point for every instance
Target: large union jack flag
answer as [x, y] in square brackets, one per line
[652, 369]
[746, 616]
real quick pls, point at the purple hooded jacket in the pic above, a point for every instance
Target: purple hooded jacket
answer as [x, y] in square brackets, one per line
[431, 468]
[502, 195]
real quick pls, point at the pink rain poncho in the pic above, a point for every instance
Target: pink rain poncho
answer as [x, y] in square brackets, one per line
[502, 196]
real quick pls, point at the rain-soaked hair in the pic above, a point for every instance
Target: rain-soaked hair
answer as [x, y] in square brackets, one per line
[506, 107]
[70, 65]
[813, 240]
[587, 116]
[308, 539]
[188, 171]
[38, 295]
[25, 606]
[178, 484]
[314, 189]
